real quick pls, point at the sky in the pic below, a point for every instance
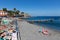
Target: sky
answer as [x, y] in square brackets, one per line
[33, 7]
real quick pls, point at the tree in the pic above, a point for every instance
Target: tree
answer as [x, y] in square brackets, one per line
[17, 12]
[22, 12]
[5, 9]
[10, 13]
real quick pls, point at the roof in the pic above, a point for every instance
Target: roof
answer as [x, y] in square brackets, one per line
[2, 11]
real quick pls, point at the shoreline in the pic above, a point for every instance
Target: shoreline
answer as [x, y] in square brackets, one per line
[45, 26]
[49, 29]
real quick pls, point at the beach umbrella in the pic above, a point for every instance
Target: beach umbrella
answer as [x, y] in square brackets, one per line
[5, 22]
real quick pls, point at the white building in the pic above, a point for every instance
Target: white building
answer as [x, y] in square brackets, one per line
[3, 13]
[25, 15]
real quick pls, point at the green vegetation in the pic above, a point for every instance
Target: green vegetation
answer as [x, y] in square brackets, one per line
[15, 12]
[11, 12]
[5, 9]
[22, 12]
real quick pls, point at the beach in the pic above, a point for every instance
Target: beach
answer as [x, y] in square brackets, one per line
[31, 32]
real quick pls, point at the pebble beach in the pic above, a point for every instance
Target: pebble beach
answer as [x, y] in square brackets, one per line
[31, 32]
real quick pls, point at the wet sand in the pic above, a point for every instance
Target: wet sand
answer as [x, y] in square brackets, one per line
[30, 32]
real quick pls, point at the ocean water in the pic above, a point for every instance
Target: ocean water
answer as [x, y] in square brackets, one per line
[55, 24]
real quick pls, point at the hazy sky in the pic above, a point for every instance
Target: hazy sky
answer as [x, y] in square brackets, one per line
[34, 7]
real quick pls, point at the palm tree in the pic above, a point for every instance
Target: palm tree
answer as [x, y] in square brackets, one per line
[5, 9]
[14, 9]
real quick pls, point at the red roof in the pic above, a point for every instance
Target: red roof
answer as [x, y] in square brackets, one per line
[2, 11]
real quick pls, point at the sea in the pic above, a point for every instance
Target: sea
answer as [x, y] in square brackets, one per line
[55, 24]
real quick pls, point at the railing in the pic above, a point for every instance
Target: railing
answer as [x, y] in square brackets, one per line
[18, 31]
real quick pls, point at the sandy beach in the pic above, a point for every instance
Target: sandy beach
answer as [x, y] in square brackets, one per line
[30, 32]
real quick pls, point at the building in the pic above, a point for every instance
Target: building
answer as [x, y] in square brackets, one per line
[25, 15]
[3, 13]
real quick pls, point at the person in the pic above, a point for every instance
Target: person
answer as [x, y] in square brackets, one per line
[43, 31]
[1, 38]
[14, 35]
